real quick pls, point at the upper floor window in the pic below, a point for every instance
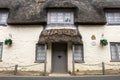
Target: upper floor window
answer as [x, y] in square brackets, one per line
[115, 51]
[113, 16]
[3, 17]
[64, 17]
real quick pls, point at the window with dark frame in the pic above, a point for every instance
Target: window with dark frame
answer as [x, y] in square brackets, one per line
[1, 48]
[78, 53]
[115, 51]
[3, 17]
[40, 53]
[113, 16]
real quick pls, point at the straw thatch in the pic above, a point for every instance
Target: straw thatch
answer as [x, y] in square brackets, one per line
[60, 35]
[35, 11]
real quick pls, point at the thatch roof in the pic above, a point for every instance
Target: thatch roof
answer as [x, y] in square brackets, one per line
[35, 11]
[60, 35]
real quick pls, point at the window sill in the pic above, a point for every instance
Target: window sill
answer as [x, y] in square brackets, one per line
[3, 24]
[112, 24]
[115, 61]
[39, 62]
[79, 62]
[62, 26]
[0, 60]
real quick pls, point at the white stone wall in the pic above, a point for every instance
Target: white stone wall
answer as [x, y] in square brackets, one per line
[96, 54]
[22, 51]
[25, 37]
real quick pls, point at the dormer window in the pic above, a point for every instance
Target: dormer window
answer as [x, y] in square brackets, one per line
[60, 17]
[3, 17]
[113, 16]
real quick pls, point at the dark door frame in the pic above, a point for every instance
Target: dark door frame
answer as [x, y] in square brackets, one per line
[66, 56]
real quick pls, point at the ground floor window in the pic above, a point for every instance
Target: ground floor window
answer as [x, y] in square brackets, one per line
[115, 51]
[78, 53]
[40, 53]
[1, 47]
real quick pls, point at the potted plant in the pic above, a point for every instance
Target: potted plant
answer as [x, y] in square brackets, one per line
[8, 42]
[103, 42]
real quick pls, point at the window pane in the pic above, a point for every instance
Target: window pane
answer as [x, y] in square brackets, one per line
[67, 17]
[0, 51]
[113, 52]
[40, 53]
[60, 17]
[119, 51]
[53, 18]
[78, 53]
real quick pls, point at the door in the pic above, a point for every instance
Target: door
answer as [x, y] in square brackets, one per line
[59, 58]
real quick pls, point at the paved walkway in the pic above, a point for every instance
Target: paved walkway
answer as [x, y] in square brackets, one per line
[63, 78]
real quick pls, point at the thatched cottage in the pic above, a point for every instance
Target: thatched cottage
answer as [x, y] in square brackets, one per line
[60, 36]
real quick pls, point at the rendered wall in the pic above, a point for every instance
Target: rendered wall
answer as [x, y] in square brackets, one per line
[94, 53]
[22, 51]
[25, 37]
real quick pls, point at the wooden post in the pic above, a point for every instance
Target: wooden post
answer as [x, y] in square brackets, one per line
[45, 68]
[73, 73]
[45, 60]
[15, 70]
[103, 68]
[73, 63]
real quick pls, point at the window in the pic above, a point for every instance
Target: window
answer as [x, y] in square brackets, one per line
[1, 47]
[113, 16]
[78, 53]
[115, 51]
[3, 17]
[40, 53]
[60, 17]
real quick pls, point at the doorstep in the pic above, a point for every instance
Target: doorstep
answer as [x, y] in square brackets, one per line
[59, 75]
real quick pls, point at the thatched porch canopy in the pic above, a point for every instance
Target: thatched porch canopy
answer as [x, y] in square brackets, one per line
[60, 35]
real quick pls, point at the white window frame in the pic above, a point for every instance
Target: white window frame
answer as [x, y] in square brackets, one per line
[57, 12]
[3, 17]
[113, 17]
[80, 57]
[117, 52]
[1, 50]
[42, 54]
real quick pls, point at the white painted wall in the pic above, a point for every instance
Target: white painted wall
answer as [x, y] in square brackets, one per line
[25, 37]
[22, 51]
[98, 54]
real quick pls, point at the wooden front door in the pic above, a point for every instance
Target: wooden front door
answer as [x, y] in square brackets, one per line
[59, 58]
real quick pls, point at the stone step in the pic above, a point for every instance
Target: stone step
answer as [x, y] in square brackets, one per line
[59, 75]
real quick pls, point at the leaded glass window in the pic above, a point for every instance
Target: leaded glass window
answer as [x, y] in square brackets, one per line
[1, 47]
[3, 17]
[60, 17]
[115, 51]
[78, 53]
[40, 53]
[113, 16]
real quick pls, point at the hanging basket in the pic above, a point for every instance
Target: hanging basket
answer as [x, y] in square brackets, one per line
[103, 42]
[8, 42]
